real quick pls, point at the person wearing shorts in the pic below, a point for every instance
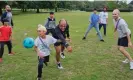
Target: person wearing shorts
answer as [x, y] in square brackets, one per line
[124, 35]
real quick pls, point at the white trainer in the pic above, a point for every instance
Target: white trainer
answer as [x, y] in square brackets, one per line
[59, 66]
[62, 55]
[131, 65]
[126, 61]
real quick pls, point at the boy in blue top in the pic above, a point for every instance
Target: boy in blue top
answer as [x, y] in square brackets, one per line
[94, 22]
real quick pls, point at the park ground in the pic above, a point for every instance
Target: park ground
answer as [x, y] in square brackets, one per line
[90, 59]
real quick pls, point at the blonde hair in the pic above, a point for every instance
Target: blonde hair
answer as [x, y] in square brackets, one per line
[116, 11]
[41, 27]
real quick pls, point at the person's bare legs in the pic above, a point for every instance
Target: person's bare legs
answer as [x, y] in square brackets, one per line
[62, 52]
[58, 50]
[62, 48]
[125, 53]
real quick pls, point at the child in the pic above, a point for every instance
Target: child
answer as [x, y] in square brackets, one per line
[124, 32]
[50, 24]
[42, 43]
[94, 22]
[5, 38]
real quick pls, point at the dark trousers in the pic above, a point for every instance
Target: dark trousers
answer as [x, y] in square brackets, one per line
[104, 28]
[50, 31]
[9, 45]
[40, 65]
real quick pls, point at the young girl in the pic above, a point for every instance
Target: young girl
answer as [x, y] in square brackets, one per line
[42, 43]
[5, 38]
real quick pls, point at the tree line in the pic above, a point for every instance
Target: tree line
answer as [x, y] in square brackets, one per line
[66, 5]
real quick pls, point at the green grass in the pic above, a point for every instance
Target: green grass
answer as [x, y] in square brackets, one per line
[90, 59]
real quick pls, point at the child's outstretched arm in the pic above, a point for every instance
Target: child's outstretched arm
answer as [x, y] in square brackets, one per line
[38, 53]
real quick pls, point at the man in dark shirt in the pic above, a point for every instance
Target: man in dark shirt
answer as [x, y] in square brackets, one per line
[61, 40]
[67, 36]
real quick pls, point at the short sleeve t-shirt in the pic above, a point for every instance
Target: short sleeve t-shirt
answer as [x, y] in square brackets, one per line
[122, 28]
[103, 16]
[44, 49]
[5, 33]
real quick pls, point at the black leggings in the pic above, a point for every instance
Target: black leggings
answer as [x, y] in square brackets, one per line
[40, 65]
[9, 45]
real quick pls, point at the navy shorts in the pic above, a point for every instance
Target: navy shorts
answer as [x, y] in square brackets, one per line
[123, 41]
[58, 44]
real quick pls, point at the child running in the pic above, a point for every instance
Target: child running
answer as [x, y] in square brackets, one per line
[42, 43]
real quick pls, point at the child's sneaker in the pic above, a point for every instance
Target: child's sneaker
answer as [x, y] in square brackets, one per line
[10, 54]
[126, 61]
[0, 60]
[59, 66]
[131, 65]
[39, 79]
[83, 38]
[62, 55]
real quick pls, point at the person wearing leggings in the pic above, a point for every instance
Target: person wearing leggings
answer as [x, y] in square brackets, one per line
[5, 38]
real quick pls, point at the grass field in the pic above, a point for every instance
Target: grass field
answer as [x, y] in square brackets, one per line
[90, 59]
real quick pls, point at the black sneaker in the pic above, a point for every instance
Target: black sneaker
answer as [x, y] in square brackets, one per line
[102, 40]
[62, 55]
[39, 79]
[83, 38]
